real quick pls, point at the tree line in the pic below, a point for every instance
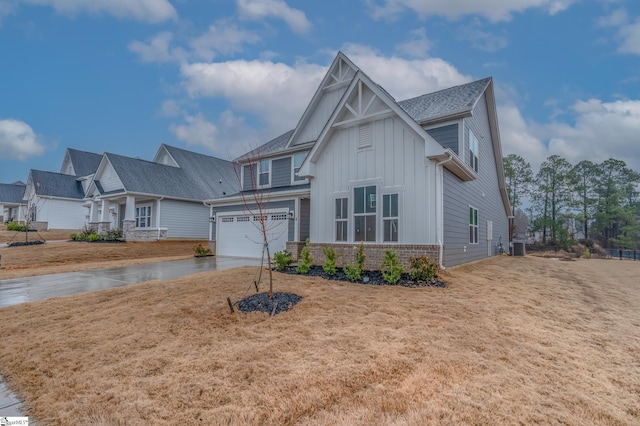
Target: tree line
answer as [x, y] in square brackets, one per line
[563, 203]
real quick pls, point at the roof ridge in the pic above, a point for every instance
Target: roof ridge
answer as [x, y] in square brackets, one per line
[445, 89]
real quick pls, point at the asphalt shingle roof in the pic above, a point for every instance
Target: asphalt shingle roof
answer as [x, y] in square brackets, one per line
[84, 163]
[11, 193]
[445, 102]
[274, 145]
[214, 176]
[56, 185]
[199, 177]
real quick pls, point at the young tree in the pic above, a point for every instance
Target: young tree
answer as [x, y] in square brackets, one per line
[519, 177]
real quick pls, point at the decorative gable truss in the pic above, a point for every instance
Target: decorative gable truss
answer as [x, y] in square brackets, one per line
[340, 74]
[362, 105]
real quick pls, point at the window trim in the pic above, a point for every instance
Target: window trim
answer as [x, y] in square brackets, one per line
[295, 181]
[474, 154]
[260, 172]
[343, 219]
[148, 215]
[366, 214]
[474, 226]
[391, 218]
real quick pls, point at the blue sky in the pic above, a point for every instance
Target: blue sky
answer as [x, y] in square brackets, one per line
[219, 77]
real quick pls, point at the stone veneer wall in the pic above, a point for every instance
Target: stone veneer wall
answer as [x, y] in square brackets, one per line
[130, 233]
[212, 247]
[346, 253]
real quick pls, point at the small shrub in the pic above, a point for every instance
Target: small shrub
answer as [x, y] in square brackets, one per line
[15, 226]
[282, 259]
[200, 251]
[329, 266]
[422, 269]
[587, 253]
[391, 267]
[75, 237]
[113, 235]
[94, 237]
[353, 272]
[305, 261]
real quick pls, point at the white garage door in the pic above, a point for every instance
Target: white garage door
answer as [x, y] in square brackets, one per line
[241, 234]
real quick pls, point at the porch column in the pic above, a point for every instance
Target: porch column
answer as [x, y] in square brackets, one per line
[104, 225]
[129, 222]
[93, 212]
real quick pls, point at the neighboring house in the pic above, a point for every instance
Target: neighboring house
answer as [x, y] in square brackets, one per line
[12, 206]
[55, 201]
[421, 176]
[81, 164]
[151, 200]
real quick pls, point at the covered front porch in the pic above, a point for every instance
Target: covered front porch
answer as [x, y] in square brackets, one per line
[138, 217]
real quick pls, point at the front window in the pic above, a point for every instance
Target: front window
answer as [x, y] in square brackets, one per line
[265, 168]
[297, 162]
[143, 217]
[342, 214]
[473, 225]
[473, 151]
[364, 213]
[390, 217]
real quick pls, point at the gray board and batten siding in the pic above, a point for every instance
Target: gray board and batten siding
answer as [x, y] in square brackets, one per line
[447, 136]
[482, 194]
[280, 174]
[304, 216]
[273, 205]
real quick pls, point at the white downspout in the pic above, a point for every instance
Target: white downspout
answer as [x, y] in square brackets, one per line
[439, 193]
[210, 216]
[158, 218]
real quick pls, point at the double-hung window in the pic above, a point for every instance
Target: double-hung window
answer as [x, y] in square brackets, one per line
[364, 213]
[473, 151]
[297, 162]
[143, 217]
[390, 217]
[473, 225]
[342, 215]
[264, 176]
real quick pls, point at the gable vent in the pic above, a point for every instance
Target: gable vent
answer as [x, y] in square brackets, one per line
[365, 136]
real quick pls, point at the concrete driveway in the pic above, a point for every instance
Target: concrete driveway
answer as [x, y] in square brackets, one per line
[21, 290]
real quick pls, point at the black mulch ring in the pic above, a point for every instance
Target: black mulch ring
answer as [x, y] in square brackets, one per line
[97, 241]
[368, 277]
[261, 303]
[22, 243]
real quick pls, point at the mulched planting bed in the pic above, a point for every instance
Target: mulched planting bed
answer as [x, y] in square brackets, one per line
[261, 303]
[23, 243]
[368, 277]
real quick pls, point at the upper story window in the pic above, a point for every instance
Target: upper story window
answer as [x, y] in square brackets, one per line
[473, 151]
[264, 173]
[297, 162]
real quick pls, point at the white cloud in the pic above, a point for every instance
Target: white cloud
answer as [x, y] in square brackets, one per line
[417, 46]
[257, 87]
[6, 9]
[158, 49]
[229, 138]
[153, 11]
[600, 130]
[628, 32]
[197, 131]
[18, 141]
[616, 18]
[259, 9]
[486, 41]
[222, 37]
[517, 136]
[494, 10]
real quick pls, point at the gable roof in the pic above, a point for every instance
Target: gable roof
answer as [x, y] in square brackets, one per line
[445, 103]
[215, 176]
[50, 184]
[198, 176]
[12, 193]
[84, 162]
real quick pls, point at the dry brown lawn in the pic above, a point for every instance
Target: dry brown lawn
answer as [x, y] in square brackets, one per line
[509, 341]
